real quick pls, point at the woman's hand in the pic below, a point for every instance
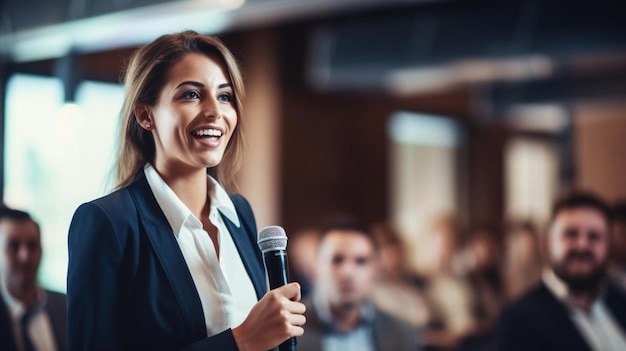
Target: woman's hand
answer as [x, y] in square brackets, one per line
[277, 317]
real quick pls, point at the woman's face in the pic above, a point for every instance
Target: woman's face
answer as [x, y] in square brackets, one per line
[194, 117]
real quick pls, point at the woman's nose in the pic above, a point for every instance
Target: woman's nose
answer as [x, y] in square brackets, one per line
[211, 108]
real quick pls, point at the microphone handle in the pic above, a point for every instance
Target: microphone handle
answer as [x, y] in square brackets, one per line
[289, 345]
[277, 269]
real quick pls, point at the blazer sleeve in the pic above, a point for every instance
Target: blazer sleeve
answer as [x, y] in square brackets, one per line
[93, 282]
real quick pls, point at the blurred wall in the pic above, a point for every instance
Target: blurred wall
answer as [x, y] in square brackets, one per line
[336, 150]
[259, 179]
[600, 148]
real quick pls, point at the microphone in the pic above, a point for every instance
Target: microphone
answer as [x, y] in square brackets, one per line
[272, 241]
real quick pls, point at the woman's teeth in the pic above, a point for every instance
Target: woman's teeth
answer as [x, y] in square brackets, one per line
[208, 133]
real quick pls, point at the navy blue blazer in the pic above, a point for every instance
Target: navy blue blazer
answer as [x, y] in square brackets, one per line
[128, 286]
[538, 321]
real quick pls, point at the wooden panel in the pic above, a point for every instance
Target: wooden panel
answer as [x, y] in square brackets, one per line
[600, 149]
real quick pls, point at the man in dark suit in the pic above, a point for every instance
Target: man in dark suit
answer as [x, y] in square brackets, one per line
[574, 307]
[31, 318]
[339, 315]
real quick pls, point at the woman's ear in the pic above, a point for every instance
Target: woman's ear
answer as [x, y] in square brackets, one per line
[143, 116]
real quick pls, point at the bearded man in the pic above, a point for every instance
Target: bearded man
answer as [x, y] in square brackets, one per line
[575, 307]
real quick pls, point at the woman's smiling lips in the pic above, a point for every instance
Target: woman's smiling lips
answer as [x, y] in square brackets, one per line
[209, 136]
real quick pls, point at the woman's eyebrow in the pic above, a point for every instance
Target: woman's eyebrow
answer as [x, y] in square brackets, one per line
[200, 85]
[190, 82]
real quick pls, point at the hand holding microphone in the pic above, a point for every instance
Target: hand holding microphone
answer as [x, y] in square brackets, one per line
[278, 316]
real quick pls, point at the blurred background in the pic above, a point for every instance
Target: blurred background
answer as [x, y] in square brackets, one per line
[465, 115]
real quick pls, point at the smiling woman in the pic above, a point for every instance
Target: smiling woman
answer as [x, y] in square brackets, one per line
[194, 117]
[169, 260]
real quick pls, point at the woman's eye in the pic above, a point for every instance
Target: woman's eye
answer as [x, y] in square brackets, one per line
[191, 94]
[226, 97]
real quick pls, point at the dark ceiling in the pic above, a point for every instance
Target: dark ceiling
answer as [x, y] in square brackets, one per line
[356, 45]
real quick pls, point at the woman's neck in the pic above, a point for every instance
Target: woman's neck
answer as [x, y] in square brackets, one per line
[191, 187]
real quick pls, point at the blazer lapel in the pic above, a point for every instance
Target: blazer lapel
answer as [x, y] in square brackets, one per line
[166, 248]
[250, 254]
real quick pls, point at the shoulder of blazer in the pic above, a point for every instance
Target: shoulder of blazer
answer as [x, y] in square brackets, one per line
[535, 299]
[55, 299]
[124, 204]
[117, 205]
[520, 316]
[57, 312]
[541, 320]
[113, 220]
[393, 334]
[391, 323]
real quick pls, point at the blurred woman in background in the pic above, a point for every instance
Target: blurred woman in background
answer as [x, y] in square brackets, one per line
[522, 264]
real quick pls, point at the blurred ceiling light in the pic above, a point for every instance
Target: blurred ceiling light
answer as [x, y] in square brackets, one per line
[546, 118]
[420, 80]
[437, 78]
[421, 129]
[511, 69]
[119, 29]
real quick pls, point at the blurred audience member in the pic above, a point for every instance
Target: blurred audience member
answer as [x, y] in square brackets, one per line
[31, 319]
[302, 249]
[394, 292]
[574, 307]
[340, 316]
[480, 262]
[522, 260]
[483, 269]
[618, 261]
[446, 291]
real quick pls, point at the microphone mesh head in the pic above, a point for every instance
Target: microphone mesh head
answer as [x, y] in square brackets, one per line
[272, 238]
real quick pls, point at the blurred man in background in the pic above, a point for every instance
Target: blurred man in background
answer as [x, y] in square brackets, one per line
[31, 319]
[396, 292]
[522, 265]
[574, 307]
[340, 316]
[302, 251]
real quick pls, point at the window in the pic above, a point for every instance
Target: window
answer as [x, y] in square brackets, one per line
[57, 156]
[424, 168]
